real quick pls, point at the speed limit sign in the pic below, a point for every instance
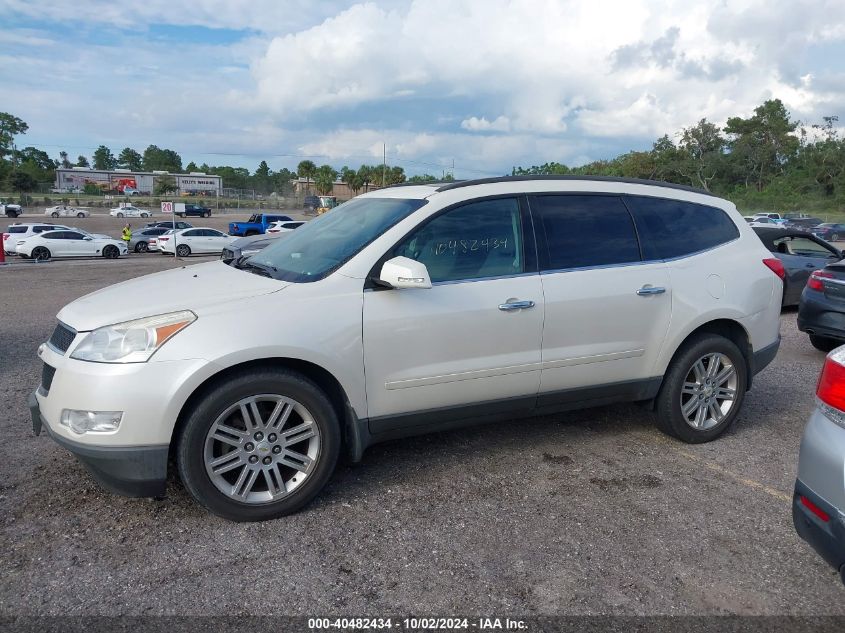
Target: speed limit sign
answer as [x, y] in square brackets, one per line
[167, 207]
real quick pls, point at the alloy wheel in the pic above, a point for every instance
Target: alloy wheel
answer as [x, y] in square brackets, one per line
[709, 391]
[261, 448]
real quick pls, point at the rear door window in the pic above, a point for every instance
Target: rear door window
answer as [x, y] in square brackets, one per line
[586, 231]
[675, 228]
[16, 229]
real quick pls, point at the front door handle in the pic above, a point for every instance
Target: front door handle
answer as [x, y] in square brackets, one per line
[650, 290]
[515, 305]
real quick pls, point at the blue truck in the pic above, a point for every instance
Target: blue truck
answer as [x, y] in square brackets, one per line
[256, 225]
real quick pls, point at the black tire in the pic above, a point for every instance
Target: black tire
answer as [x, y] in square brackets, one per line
[216, 399]
[41, 254]
[250, 233]
[120, 215]
[54, 215]
[142, 247]
[834, 237]
[145, 215]
[823, 343]
[207, 214]
[670, 418]
[183, 250]
[80, 215]
[111, 252]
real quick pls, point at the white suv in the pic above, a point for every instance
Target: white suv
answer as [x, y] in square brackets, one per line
[19, 231]
[409, 310]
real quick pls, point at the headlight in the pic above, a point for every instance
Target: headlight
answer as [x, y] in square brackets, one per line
[133, 341]
[249, 251]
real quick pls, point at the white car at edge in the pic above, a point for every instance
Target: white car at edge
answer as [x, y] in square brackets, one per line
[64, 211]
[409, 310]
[194, 241]
[284, 227]
[130, 211]
[70, 243]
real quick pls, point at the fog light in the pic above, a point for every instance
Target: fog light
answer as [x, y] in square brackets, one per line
[91, 421]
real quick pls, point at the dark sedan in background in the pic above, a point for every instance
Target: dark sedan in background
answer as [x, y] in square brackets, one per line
[821, 313]
[802, 224]
[831, 231]
[800, 253]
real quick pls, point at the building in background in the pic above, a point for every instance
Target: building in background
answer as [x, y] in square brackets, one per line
[131, 183]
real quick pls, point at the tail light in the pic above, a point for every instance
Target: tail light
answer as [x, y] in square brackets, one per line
[815, 281]
[163, 239]
[831, 387]
[812, 507]
[776, 266]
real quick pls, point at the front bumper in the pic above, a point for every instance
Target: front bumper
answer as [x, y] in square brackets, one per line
[133, 471]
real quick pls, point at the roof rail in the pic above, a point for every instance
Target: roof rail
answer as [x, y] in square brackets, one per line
[421, 184]
[633, 181]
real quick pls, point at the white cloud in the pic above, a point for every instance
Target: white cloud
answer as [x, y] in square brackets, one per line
[474, 124]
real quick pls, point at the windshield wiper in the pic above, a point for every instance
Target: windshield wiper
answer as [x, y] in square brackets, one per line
[258, 269]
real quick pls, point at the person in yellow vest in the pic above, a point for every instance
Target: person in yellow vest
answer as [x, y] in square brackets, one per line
[126, 235]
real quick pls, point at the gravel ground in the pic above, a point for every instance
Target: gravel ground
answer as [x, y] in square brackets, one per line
[590, 512]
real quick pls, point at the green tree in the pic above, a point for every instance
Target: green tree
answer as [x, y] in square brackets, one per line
[130, 159]
[81, 161]
[22, 181]
[702, 149]
[283, 182]
[324, 179]
[104, 159]
[761, 145]
[308, 170]
[164, 185]
[192, 166]
[395, 175]
[37, 157]
[262, 178]
[158, 159]
[10, 126]
[63, 160]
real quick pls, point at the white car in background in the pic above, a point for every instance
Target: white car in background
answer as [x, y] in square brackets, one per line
[64, 211]
[130, 211]
[193, 241]
[70, 243]
[16, 233]
[283, 227]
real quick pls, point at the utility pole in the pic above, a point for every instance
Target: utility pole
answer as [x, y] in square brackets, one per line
[383, 164]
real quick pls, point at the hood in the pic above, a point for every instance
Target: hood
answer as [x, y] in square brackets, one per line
[187, 288]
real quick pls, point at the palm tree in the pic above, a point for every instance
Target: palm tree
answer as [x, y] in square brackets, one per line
[307, 169]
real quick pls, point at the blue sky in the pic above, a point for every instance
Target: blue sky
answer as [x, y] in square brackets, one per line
[483, 84]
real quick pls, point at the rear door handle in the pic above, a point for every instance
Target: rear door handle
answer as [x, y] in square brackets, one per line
[515, 305]
[650, 290]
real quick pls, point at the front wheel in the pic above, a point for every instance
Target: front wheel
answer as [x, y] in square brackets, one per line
[80, 215]
[259, 446]
[141, 247]
[207, 214]
[823, 343]
[702, 390]
[183, 250]
[111, 252]
[40, 254]
[834, 237]
[54, 215]
[145, 215]
[120, 215]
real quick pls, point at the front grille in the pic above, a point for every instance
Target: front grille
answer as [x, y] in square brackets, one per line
[47, 373]
[61, 338]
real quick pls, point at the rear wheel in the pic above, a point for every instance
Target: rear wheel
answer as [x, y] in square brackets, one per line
[80, 215]
[248, 233]
[40, 254]
[834, 237]
[145, 215]
[141, 247]
[120, 215]
[702, 390]
[54, 214]
[183, 250]
[207, 214]
[823, 343]
[111, 252]
[259, 446]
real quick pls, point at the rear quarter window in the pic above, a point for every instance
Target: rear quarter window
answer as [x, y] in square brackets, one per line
[16, 229]
[675, 228]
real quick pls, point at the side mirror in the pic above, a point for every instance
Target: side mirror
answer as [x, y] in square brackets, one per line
[403, 272]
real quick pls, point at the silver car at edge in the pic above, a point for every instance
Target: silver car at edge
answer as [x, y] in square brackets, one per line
[818, 505]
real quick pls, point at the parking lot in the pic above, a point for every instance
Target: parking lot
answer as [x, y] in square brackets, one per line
[591, 512]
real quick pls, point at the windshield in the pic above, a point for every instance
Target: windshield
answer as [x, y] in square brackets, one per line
[320, 246]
